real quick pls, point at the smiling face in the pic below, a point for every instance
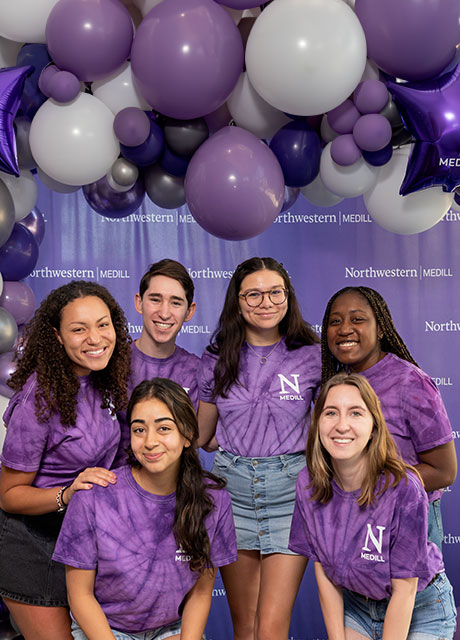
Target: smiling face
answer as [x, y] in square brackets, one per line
[352, 332]
[87, 334]
[262, 320]
[157, 443]
[164, 310]
[345, 426]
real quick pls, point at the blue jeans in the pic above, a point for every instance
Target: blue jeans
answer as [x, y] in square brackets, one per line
[156, 634]
[435, 529]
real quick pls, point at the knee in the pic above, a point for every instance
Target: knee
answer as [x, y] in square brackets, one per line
[271, 630]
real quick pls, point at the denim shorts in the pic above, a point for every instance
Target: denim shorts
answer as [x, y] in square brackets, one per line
[156, 634]
[433, 617]
[27, 572]
[263, 497]
[435, 528]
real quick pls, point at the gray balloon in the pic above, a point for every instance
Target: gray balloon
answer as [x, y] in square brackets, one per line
[391, 113]
[163, 189]
[124, 173]
[185, 136]
[25, 157]
[7, 216]
[8, 330]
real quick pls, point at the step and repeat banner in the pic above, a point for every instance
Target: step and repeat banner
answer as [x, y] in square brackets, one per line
[323, 251]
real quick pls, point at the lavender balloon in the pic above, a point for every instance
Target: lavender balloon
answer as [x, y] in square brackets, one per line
[344, 150]
[148, 152]
[19, 299]
[19, 254]
[90, 39]
[204, 54]
[370, 96]
[131, 126]
[63, 86]
[234, 185]
[372, 132]
[35, 223]
[111, 203]
[343, 118]
[410, 39]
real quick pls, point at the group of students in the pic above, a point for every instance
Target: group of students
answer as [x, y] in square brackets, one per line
[104, 431]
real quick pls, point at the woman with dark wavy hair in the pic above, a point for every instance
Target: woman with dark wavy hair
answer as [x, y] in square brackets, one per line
[142, 555]
[361, 516]
[259, 376]
[62, 435]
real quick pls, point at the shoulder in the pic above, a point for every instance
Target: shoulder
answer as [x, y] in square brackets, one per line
[407, 370]
[183, 355]
[25, 398]
[209, 359]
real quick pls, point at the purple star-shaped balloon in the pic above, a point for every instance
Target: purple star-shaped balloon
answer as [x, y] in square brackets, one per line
[11, 86]
[431, 112]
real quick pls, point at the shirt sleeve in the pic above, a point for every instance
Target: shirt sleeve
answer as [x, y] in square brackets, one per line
[208, 362]
[77, 542]
[223, 539]
[426, 414]
[301, 540]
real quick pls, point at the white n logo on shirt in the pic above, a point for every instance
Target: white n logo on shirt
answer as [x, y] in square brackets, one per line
[370, 534]
[285, 381]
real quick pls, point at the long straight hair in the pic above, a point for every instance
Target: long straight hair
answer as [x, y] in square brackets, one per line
[193, 502]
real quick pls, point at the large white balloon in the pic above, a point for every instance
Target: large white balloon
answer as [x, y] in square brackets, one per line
[118, 91]
[23, 190]
[305, 57]
[25, 20]
[317, 194]
[74, 143]
[350, 181]
[9, 50]
[409, 214]
[250, 111]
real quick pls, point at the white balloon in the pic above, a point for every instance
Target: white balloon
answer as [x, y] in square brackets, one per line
[251, 112]
[327, 132]
[23, 190]
[350, 181]
[409, 214]
[74, 143]
[54, 185]
[118, 91]
[25, 20]
[306, 57]
[1, 284]
[144, 6]
[9, 50]
[317, 194]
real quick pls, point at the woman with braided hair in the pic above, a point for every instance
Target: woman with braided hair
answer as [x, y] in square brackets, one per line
[358, 335]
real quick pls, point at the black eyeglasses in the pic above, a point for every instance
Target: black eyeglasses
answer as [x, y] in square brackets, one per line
[254, 298]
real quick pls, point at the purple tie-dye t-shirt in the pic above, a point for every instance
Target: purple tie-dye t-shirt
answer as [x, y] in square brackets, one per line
[125, 534]
[363, 549]
[268, 413]
[57, 453]
[412, 407]
[182, 367]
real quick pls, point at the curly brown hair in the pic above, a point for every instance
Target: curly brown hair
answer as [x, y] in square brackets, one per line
[40, 352]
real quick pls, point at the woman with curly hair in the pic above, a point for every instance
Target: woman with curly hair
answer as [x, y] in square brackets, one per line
[62, 435]
[259, 376]
[152, 576]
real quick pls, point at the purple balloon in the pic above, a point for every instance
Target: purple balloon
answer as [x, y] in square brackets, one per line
[241, 4]
[298, 149]
[343, 118]
[372, 132]
[19, 254]
[90, 39]
[113, 204]
[410, 39]
[174, 164]
[37, 56]
[45, 76]
[63, 86]
[7, 367]
[186, 57]
[19, 299]
[344, 150]
[11, 85]
[379, 158]
[131, 126]
[290, 197]
[234, 185]
[370, 96]
[431, 113]
[35, 223]
[149, 151]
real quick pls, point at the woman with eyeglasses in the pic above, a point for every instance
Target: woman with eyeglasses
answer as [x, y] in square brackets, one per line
[259, 376]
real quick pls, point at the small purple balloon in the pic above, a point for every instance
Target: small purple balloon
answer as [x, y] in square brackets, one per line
[64, 86]
[344, 150]
[35, 223]
[370, 96]
[372, 132]
[45, 76]
[298, 150]
[19, 254]
[343, 118]
[186, 57]
[19, 299]
[234, 185]
[7, 367]
[113, 204]
[90, 39]
[131, 126]
[149, 151]
[379, 158]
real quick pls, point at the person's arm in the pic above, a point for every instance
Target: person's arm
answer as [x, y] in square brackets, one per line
[197, 605]
[438, 466]
[85, 608]
[399, 611]
[17, 495]
[207, 423]
[331, 600]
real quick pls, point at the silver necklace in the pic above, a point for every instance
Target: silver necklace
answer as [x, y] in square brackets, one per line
[263, 359]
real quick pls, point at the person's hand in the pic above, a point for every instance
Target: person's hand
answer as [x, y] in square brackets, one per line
[87, 478]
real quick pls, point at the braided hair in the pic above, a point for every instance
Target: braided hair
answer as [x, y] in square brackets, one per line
[391, 341]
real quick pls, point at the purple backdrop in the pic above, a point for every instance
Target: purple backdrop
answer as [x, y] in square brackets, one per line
[323, 250]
